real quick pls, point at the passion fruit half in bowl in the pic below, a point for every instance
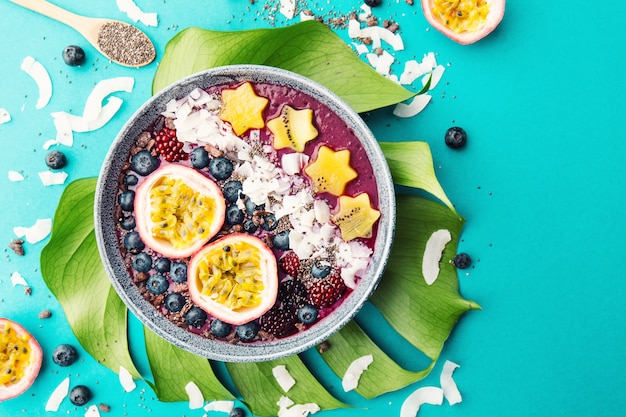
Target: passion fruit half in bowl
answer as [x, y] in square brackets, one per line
[245, 213]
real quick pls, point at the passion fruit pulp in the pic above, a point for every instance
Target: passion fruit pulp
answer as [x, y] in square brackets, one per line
[177, 210]
[234, 279]
[20, 359]
[464, 21]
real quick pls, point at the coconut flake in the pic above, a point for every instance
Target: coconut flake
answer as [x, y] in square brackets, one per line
[93, 105]
[450, 390]
[351, 378]
[436, 75]
[5, 117]
[18, 279]
[196, 399]
[432, 254]
[42, 78]
[384, 62]
[126, 380]
[292, 163]
[283, 377]
[92, 411]
[418, 104]
[57, 396]
[288, 8]
[136, 14]
[52, 178]
[37, 232]
[424, 395]
[223, 406]
[287, 408]
[15, 176]
[63, 127]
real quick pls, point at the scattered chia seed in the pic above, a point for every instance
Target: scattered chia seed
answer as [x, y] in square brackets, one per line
[125, 44]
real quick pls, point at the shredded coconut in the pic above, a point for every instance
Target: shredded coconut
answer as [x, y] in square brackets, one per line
[283, 377]
[92, 411]
[5, 117]
[18, 279]
[126, 380]
[57, 396]
[136, 14]
[35, 233]
[223, 406]
[196, 399]
[424, 395]
[39, 73]
[450, 390]
[351, 378]
[432, 254]
[52, 178]
[15, 176]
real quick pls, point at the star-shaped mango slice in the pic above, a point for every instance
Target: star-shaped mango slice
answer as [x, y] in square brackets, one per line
[331, 171]
[355, 216]
[243, 108]
[292, 128]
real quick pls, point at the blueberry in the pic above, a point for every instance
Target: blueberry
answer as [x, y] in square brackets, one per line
[128, 222]
[281, 240]
[127, 200]
[220, 168]
[320, 269]
[231, 190]
[56, 159]
[144, 163]
[237, 412]
[142, 262]
[307, 314]
[220, 329]
[162, 265]
[80, 395]
[133, 243]
[462, 261]
[74, 55]
[131, 180]
[269, 222]
[234, 215]
[251, 207]
[373, 3]
[455, 137]
[249, 226]
[174, 302]
[157, 284]
[196, 317]
[247, 332]
[178, 272]
[199, 158]
[64, 355]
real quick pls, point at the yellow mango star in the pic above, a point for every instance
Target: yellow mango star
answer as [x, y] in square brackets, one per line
[355, 216]
[243, 109]
[331, 171]
[292, 128]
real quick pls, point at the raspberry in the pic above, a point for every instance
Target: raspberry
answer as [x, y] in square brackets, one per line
[290, 263]
[168, 146]
[279, 320]
[326, 291]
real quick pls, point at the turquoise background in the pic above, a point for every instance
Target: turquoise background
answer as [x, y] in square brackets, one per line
[540, 184]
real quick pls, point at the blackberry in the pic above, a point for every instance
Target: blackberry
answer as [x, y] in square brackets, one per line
[462, 261]
[157, 284]
[64, 355]
[221, 168]
[278, 320]
[247, 332]
[292, 292]
[455, 137]
[126, 200]
[199, 158]
[220, 328]
[142, 262]
[168, 146]
[56, 159]
[178, 272]
[196, 317]
[73, 55]
[144, 163]
[174, 302]
[80, 395]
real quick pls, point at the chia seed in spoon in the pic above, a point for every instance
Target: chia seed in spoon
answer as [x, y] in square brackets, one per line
[125, 44]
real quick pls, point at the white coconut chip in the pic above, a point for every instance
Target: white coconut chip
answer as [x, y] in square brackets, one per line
[15, 176]
[450, 390]
[126, 380]
[63, 127]
[136, 14]
[418, 104]
[58, 395]
[288, 8]
[293, 163]
[287, 408]
[351, 378]
[42, 78]
[435, 77]
[432, 254]
[424, 395]
[283, 377]
[92, 411]
[222, 406]
[5, 116]
[49, 178]
[306, 17]
[35, 233]
[384, 62]
[18, 279]
[93, 105]
[196, 399]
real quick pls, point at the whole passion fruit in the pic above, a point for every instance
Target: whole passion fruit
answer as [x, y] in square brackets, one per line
[20, 359]
[177, 210]
[234, 279]
[464, 21]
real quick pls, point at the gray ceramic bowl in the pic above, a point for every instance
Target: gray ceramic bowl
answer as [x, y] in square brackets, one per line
[106, 222]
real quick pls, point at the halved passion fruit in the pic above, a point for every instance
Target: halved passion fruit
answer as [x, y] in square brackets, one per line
[20, 359]
[177, 210]
[234, 279]
[464, 21]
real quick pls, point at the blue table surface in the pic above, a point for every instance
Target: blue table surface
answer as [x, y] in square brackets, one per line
[542, 99]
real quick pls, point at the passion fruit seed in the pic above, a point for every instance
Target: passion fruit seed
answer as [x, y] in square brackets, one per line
[15, 354]
[461, 16]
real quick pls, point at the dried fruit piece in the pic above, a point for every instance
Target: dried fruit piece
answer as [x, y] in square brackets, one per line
[355, 216]
[20, 359]
[177, 210]
[234, 279]
[292, 128]
[464, 21]
[243, 108]
[331, 171]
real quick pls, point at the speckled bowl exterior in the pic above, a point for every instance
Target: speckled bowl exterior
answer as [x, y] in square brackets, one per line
[106, 222]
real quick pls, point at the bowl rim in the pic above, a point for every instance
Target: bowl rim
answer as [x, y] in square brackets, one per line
[105, 221]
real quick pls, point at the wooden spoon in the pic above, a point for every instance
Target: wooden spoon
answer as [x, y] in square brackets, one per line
[121, 42]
